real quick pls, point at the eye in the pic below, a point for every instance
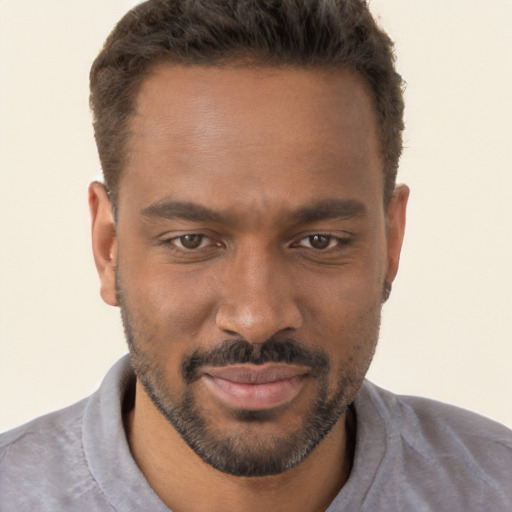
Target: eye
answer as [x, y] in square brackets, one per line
[190, 247]
[192, 241]
[320, 242]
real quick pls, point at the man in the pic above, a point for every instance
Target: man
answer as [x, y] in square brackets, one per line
[249, 228]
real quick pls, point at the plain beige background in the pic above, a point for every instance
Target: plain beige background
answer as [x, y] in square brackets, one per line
[447, 330]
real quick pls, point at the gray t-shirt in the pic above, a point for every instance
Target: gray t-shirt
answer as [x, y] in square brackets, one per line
[411, 454]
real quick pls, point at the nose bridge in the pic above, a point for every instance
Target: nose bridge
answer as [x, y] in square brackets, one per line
[259, 298]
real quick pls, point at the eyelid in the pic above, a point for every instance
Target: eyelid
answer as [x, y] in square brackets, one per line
[170, 240]
[329, 245]
[337, 240]
[342, 238]
[174, 240]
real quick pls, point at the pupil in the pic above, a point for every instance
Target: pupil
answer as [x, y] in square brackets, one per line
[191, 241]
[319, 241]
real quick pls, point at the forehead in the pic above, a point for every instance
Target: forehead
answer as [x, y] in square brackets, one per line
[220, 102]
[254, 130]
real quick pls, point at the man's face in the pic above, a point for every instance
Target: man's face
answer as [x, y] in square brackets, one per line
[250, 254]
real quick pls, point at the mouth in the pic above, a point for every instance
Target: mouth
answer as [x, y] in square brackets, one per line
[255, 387]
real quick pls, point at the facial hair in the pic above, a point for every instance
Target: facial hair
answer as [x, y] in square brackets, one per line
[240, 452]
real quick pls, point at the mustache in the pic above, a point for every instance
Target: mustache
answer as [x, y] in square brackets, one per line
[232, 352]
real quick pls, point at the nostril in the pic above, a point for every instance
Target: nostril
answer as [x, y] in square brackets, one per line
[232, 333]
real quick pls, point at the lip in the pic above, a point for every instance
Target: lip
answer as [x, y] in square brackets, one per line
[255, 387]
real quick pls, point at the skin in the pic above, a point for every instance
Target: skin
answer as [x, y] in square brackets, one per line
[256, 147]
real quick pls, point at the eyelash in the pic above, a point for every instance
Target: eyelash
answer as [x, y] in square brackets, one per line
[172, 242]
[340, 242]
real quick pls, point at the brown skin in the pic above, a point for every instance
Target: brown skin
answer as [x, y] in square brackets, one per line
[253, 145]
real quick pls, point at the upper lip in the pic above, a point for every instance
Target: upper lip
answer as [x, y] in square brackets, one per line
[256, 374]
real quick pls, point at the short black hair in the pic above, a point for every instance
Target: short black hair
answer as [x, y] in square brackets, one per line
[304, 33]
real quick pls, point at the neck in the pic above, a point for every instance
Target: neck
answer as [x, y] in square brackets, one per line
[187, 484]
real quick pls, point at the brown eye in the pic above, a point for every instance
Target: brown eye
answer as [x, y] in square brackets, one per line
[191, 241]
[319, 241]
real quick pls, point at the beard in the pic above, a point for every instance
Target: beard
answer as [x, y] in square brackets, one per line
[247, 450]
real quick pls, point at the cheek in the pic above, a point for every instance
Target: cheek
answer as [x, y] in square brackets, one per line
[344, 299]
[168, 306]
[164, 318]
[345, 319]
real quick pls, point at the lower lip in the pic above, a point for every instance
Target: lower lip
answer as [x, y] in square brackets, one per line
[255, 397]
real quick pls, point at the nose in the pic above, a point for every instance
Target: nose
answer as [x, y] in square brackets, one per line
[259, 298]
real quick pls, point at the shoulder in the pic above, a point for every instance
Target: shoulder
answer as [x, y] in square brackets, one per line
[43, 461]
[435, 424]
[433, 453]
[48, 464]
[45, 429]
[34, 448]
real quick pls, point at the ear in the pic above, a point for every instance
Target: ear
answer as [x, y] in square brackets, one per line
[104, 241]
[395, 229]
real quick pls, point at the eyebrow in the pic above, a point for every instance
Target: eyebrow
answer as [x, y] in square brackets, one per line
[330, 210]
[180, 210]
[322, 210]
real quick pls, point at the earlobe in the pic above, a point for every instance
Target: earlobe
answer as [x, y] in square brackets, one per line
[396, 215]
[104, 240]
